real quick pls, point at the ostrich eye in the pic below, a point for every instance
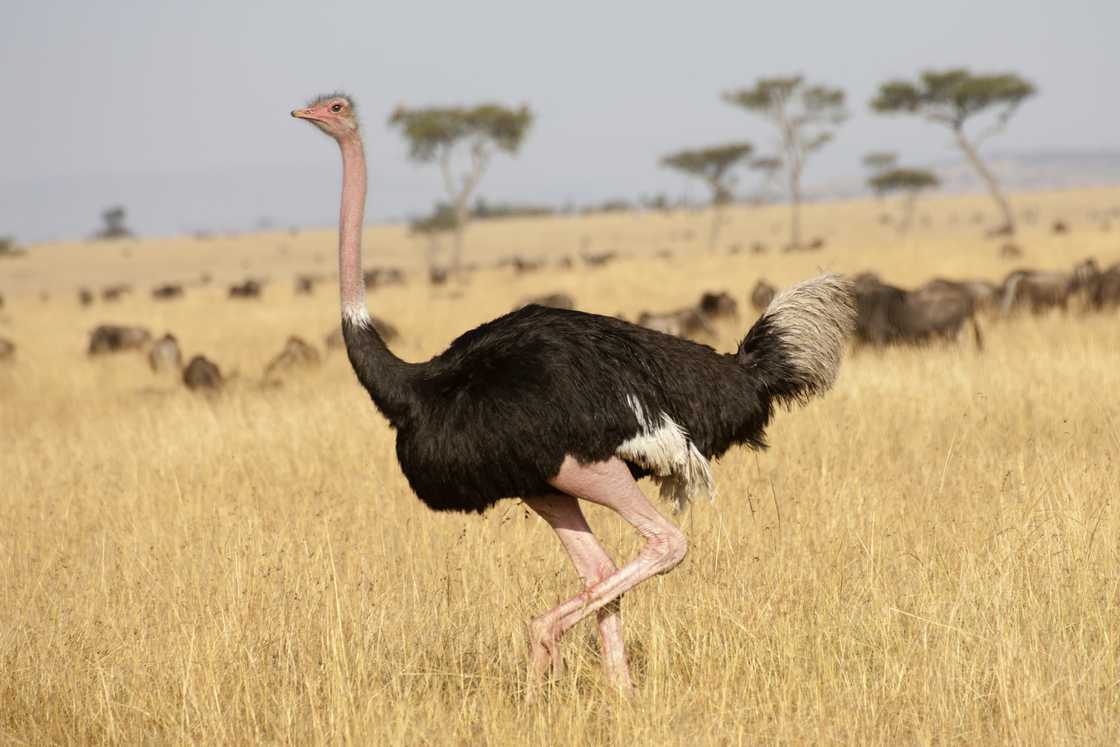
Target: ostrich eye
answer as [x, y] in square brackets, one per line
[336, 108]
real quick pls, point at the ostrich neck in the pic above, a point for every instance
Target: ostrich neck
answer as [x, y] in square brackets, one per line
[386, 377]
[350, 281]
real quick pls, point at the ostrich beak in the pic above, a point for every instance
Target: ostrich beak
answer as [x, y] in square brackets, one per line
[302, 114]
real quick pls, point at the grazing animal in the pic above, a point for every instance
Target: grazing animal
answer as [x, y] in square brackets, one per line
[114, 292]
[1040, 291]
[599, 260]
[381, 276]
[304, 285]
[551, 300]
[7, 350]
[521, 266]
[296, 355]
[688, 323]
[115, 338]
[558, 406]
[167, 292]
[248, 289]
[164, 355]
[1104, 289]
[202, 375]
[85, 296]
[887, 315]
[762, 295]
[719, 306]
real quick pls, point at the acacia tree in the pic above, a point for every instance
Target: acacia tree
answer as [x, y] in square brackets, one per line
[951, 98]
[806, 117]
[910, 182]
[434, 134]
[712, 165]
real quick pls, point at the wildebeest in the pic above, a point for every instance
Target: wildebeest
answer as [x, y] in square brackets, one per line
[248, 289]
[382, 276]
[304, 285]
[762, 295]
[296, 355]
[888, 315]
[719, 305]
[167, 292]
[85, 296]
[388, 333]
[202, 374]
[522, 266]
[680, 323]
[1043, 290]
[437, 275]
[114, 292]
[551, 300]
[1103, 289]
[115, 338]
[165, 355]
[600, 259]
[7, 350]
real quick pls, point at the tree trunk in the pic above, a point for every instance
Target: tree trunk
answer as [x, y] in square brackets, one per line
[907, 211]
[989, 178]
[461, 215]
[795, 208]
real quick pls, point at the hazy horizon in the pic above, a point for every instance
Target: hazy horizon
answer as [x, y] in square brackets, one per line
[180, 113]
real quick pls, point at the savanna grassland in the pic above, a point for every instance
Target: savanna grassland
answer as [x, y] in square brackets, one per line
[928, 555]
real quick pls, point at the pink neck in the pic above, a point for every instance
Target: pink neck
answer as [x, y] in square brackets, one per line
[351, 284]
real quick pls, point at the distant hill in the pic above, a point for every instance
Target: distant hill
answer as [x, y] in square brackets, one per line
[1016, 170]
[1057, 169]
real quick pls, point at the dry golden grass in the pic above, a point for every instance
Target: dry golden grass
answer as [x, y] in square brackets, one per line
[927, 555]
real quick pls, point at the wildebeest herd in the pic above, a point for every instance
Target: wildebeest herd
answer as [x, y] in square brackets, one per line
[938, 310]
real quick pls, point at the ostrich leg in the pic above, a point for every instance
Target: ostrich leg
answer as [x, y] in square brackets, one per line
[563, 514]
[608, 484]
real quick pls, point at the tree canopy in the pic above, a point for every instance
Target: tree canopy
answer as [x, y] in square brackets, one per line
[711, 164]
[430, 129]
[880, 160]
[903, 179]
[952, 96]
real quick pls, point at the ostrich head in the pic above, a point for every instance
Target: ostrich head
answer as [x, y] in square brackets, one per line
[333, 114]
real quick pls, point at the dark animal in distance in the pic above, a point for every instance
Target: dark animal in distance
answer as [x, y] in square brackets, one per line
[115, 338]
[7, 350]
[888, 315]
[381, 276]
[202, 375]
[551, 300]
[1040, 291]
[1104, 289]
[85, 296]
[248, 289]
[167, 292]
[557, 406]
[164, 355]
[304, 285]
[719, 306]
[762, 294]
[600, 259]
[114, 292]
[296, 355]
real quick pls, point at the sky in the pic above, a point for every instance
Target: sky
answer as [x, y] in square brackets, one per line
[179, 110]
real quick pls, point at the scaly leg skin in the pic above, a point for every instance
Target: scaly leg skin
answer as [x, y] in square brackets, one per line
[593, 564]
[608, 484]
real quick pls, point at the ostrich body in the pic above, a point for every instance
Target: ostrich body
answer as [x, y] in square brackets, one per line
[557, 406]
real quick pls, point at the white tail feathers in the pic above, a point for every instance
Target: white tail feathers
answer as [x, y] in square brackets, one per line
[812, 320]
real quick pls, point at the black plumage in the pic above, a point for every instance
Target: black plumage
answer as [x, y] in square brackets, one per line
[494, 415]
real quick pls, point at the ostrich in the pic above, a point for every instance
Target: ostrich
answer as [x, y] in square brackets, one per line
[557, 406]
